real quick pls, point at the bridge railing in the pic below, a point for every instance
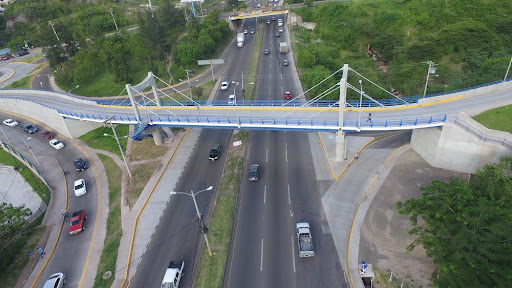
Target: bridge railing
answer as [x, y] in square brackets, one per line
[481, 135]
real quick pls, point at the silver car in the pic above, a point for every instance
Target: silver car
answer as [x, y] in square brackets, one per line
[57, 280]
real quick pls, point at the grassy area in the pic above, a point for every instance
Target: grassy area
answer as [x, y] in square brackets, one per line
[95, 139]
[114, 231]
[141, 175]
[34, 182]
[204, 91]
[381, 280]
[13, 257]
[30, 59]
[497, 119]
[254, 66]
[146, 149]
[211, 269]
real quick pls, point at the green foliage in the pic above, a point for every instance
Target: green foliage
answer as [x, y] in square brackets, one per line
[13, 219]
[497, 118]
[466, 228]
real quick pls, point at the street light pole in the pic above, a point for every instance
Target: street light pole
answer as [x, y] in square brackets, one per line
[360, 102]
[236, 106]
[203, 228]
[72, 99]
[506, 74]
[32, 153]
[51, 24]
[430, 64]
[120, 149]
[112, 13]
[26, 45]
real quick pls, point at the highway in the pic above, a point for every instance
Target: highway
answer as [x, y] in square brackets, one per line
[264, 248]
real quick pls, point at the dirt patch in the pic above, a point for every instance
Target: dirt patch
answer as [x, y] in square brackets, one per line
[384, 236]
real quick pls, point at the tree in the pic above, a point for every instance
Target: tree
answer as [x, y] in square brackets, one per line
[467, 227]
[12, 219]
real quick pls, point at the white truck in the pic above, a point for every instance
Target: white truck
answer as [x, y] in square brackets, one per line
[305, 240]
[240, 38]
[173, 275]
[283, 47]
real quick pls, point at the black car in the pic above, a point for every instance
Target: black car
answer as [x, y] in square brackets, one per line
[29, 128]
[23, 53]
[80, 164]
[278, 34]
[215, 152]
[285, 62]
[254, 171]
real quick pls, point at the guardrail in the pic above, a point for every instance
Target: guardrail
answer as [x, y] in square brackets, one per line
[481, 135]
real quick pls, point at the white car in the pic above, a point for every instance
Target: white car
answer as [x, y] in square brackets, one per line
[224, 85]
[79, 188]
[231, 100]
[11, 123]
[57, 280]
[56, 144]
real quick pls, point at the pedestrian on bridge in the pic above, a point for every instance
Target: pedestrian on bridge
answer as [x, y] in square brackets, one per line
[369, 118]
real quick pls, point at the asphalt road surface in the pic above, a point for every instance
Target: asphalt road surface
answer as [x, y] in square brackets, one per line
[264, 250]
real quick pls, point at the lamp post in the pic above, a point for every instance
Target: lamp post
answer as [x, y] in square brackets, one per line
[506, 74]
[28, 48]
[120, 149]
[236, 106]
[112, 13]
[360, 102]
[51, 24]
[203, 229]
[431, 70]
[69, 93]
[29, 149]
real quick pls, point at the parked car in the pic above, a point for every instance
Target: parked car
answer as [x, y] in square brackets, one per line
[6, 57]
[80, 164]
[29, 128]
[48, 134]
[266, 52]
[23, 53]
[57, 280]
[10, 122]
[214, 152]
[254, 171]
[231, 100]
[79, 187]
[224, 85]
[285, 62]
[287, 95]
[56, 144]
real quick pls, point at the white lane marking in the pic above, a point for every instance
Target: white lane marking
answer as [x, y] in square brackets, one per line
[293, 255]
[261, 264]
[266, 157]
[291, 213]
[286, 154]
[289, 198]
[264, 194]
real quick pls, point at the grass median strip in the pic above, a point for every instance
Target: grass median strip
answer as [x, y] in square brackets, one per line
[211, 269]
[114, 231]
[497, 119]
[254, 66]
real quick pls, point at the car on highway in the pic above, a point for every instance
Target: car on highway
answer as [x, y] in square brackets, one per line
[231, 100]
[224, 85]
[29, 128]
[268, 21]
[57, 280]
[79, 187]
[11, 123]
[281, 29]
[266, 52]
[56, 144]
[287, 95]
[252, 31]
[278, 34]
[245, 31]
[273, 18]
[254, 172]
[80, 164]
[285, 62]
[76, 223]
[214, 152]
[48, 134]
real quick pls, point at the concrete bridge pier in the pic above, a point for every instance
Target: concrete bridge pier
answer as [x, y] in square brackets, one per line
[341, 145]
[157, 136]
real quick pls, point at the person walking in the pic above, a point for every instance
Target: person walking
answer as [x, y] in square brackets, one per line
[30, 254]
[65, 214]
[41, 252]
[369, 117]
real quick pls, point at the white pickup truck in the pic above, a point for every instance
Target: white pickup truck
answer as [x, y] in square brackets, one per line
[305, 240]
[173, 275]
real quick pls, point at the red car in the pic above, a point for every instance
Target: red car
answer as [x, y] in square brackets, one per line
[287, 95]
[6, 57]
[76, 223]
[48, 134]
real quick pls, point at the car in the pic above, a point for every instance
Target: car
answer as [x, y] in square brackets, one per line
[268, 21]
[48, 134]
[224, 85]
[278, 34]
[231, 100]
[287, 95]
[23, 53]
[29, 128]
[76, 223]
[266, 52]
[80, 164]
[6, 57]
[56, 144]
[279, 20]
[79, 187]
[10, 122]
[281, 29]
[259, 5]
[273, 18]
[245, 31]
[57, 280]
[214, 152]
[285, 62]
[254, 172]
[252, 31]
